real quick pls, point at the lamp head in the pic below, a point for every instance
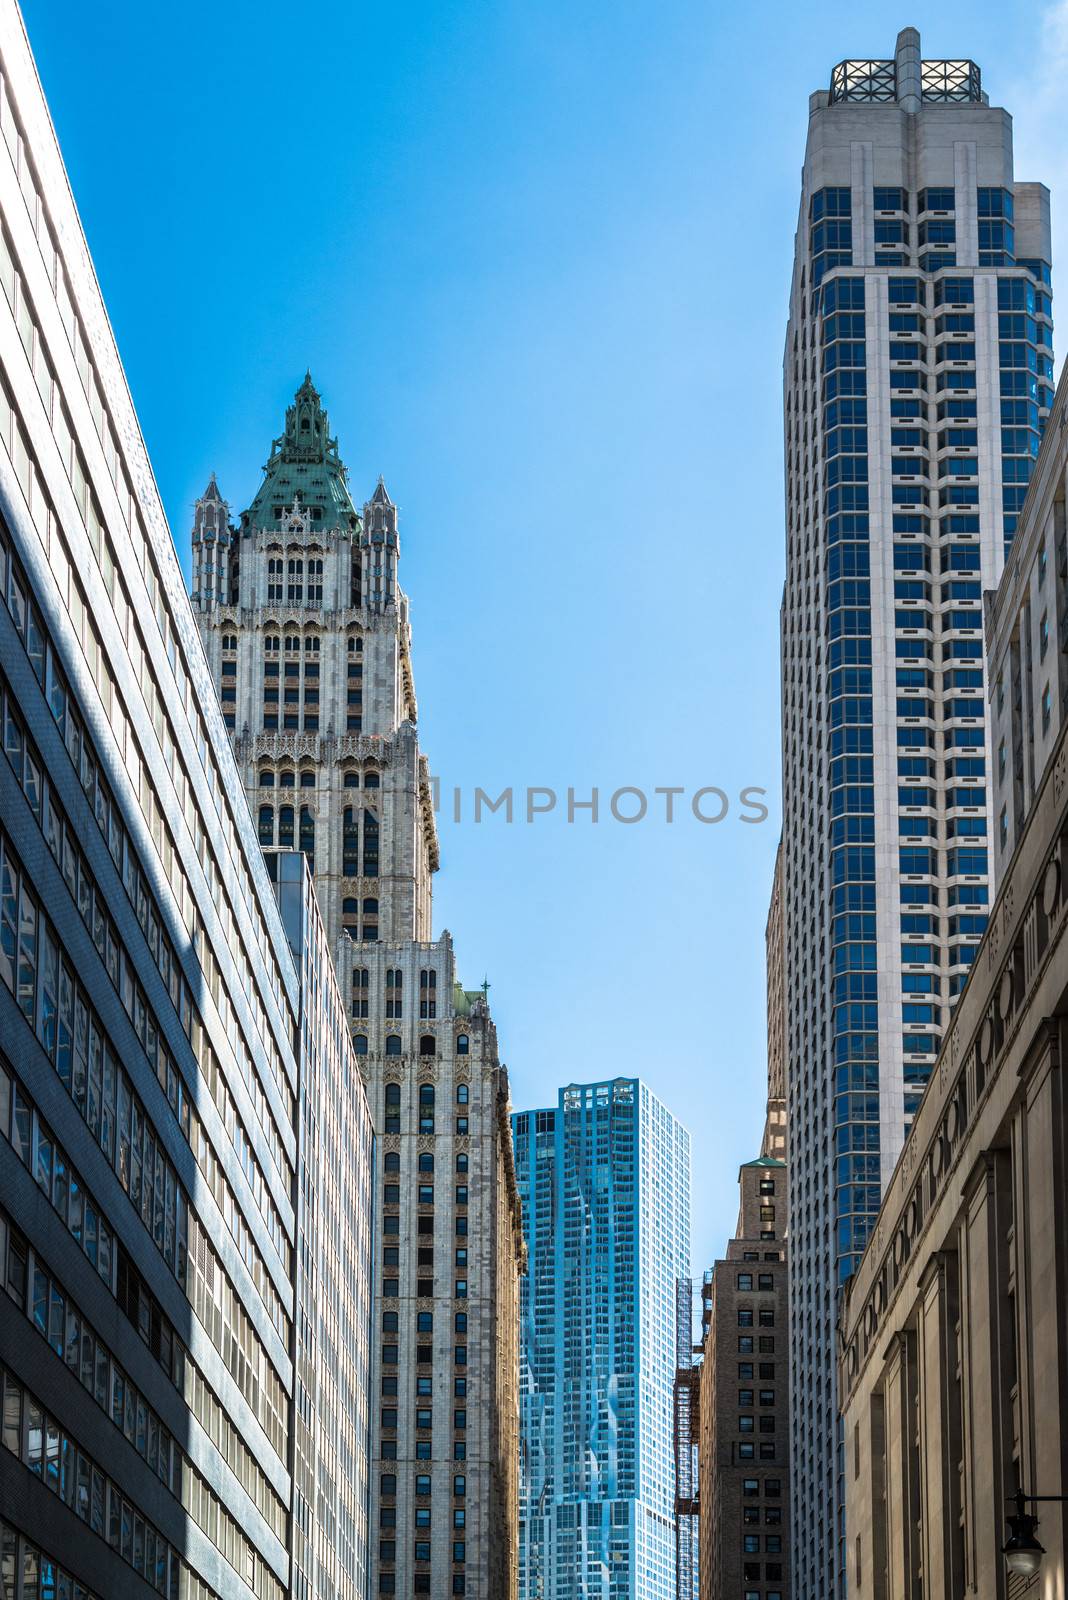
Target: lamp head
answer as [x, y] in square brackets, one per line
[1023, 1553]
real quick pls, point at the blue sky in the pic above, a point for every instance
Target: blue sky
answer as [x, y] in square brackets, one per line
[537, 258]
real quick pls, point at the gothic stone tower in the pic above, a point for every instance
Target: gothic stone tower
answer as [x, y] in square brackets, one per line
[306, 629]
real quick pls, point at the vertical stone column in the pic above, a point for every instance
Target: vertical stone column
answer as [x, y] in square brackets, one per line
[907, 70]
[987, 1366]
[1040, 1267]
[939, 1425]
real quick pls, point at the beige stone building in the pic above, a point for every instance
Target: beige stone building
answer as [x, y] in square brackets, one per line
[307, 633]
[953, 1363]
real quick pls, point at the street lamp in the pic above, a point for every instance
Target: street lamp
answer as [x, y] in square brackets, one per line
[1022, 1551]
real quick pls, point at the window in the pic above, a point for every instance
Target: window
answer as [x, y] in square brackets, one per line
[428, 999]
[393, 1044]
[427, 1045]
[426, 1108]
[461, 1044]
[361, 978]
[394, 992]
[745, 1280]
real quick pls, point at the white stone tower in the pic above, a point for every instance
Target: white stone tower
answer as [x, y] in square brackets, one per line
[307, 633]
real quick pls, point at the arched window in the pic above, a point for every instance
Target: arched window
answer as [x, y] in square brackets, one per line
[394, 992]
[391, 1162]
[352, 780]
[360, 991]
[371, 780]
[266, 825]
[370, 844]
[274, 582]
[315, 582]
[285, 826]
[428, 1045]
[294, 582]
[393, 1044]
[307, 778]
[370, 920]
[426, 1161]
[462, 1161]
[463, 1094]
[287, 780]
[426, 1108]
[359, 1043]
[350, 843]
[349, 916]
[266, 778]
[393, 1094]
[462, 1044]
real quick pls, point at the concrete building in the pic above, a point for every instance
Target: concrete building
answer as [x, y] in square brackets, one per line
[307, 632]
[604, 1178]
[954, 1329]
[743, 1400]
[918, 371]
[335, 1151]
[150, 1130]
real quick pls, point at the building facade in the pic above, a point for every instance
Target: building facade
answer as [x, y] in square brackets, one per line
[954, 1328]
[1027, 643]
[774, 1141]
[149, 1000]
[307, 632]
[604, 1180]
[917, 381]
[743, 1400]
[333, 1269]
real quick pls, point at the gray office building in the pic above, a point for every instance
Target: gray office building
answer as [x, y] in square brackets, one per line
[183, 1347]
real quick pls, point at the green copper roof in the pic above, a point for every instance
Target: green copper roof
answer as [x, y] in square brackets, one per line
[304, 466]
[765, 1161]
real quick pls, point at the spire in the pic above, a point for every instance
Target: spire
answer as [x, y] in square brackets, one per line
[304, 464]
[381, 494]
[212, 491]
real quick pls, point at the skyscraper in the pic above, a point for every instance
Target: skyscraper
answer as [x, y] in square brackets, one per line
[743, 1406]
[160, 1325]
[604, 1178]
[917, 379]
[307, 632]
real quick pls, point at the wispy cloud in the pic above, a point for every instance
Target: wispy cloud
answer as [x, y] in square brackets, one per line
[1040, 122]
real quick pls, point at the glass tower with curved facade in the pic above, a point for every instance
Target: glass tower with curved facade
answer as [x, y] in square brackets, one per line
[604, 1181]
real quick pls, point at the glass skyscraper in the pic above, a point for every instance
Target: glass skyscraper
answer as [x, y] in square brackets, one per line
[185, 1141]
[918, 376]
[604, 1179]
